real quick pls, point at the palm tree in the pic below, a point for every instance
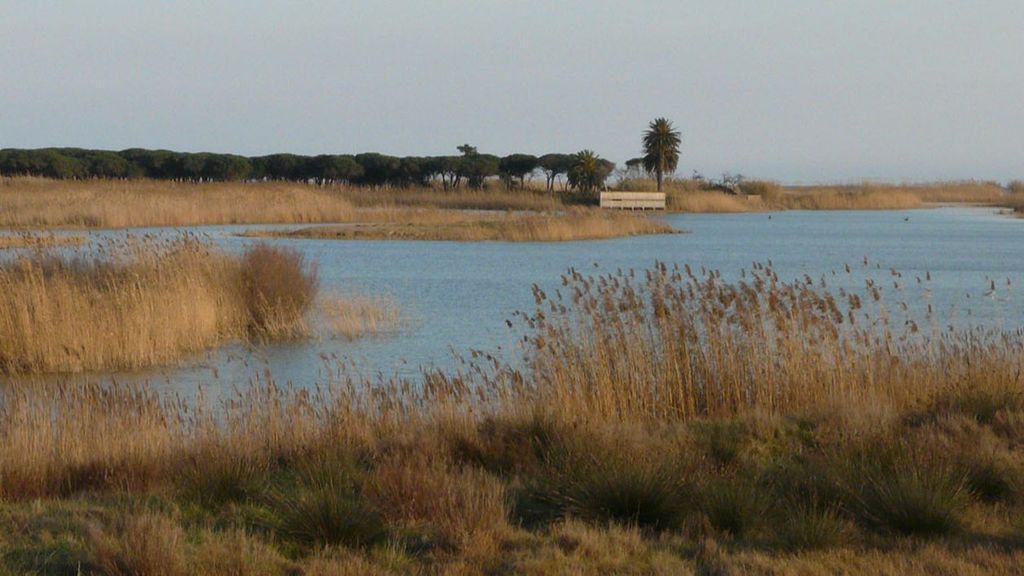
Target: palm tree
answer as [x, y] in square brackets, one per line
[589, 171]
[661, 148]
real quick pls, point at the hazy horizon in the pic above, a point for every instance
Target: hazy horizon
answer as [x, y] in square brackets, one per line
[796, 90]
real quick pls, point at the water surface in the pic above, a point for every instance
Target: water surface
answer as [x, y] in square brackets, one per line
[457, 296]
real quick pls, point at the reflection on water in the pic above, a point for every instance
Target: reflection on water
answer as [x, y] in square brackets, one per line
[458, 295]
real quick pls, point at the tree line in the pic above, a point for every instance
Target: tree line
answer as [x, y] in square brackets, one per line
[584, 171]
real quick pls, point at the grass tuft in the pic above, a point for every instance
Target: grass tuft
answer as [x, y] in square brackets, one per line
[805, 526]
[603, 484]
[325, 515]
[910, 496]
[734, 505]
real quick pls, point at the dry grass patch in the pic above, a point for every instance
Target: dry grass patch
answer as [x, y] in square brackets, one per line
[578, 224]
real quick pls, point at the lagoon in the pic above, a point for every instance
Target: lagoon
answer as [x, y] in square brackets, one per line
[457, 296]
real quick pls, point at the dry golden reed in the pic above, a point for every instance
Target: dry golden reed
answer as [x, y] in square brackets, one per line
[674, 344]
[137, 303]
[756, 195]
[571, 224]
[36, 240]
[711, 202]
[38, 203]
[869, 196]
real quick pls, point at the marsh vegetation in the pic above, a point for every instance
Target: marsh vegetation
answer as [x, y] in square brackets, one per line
[663, 421]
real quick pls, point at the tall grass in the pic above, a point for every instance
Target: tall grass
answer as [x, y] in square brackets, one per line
[137, 303]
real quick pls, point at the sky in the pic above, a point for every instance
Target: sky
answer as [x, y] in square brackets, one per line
[794, 90]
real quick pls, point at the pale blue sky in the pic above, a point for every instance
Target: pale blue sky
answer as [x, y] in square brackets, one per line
[799, 90]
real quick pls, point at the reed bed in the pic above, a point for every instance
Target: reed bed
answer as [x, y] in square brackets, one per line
[41, 203]
[711, 202]
[571, 224]
[36, 240]
[866, 197]
[1016, 204]
[757, 195]
[676, 344]
[141, 302]
[662, 421]
[869, 196]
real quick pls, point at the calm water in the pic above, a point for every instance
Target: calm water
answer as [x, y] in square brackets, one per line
[457, 296]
